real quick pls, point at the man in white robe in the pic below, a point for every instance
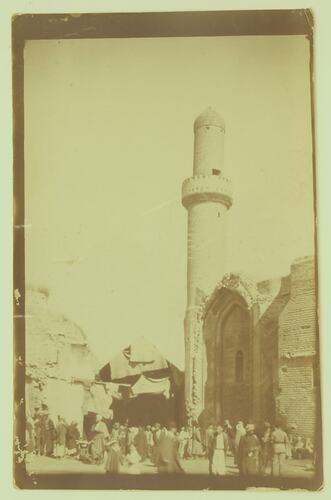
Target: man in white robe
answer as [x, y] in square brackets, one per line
[220, 446]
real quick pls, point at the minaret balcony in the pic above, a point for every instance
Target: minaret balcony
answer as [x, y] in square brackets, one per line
[203, 188]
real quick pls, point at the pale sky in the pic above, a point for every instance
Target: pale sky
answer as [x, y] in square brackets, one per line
[108, 142]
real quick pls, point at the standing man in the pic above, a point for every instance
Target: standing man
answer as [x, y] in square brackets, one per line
[240, 432]
[38, 432]
[97, 445]
[182, 442]
[122, 441]
[73, 436]
[150, 441]
[169, 461]
[219, 449]
[61, 433]
[50, 436]
[140, 442]
[249, 452]
[210, 435]
[292, 435]
[157, 441]
[41, 432]
[112, 463]
[266, 450]
[228, 429]
[280, 443]
[197, 450]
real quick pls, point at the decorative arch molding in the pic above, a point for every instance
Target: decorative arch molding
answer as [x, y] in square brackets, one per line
[243, 286]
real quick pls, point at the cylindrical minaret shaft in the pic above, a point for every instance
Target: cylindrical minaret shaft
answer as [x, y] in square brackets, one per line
[207, 197]
[209, 129]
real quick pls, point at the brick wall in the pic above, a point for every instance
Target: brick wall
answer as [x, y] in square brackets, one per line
[297, 399]
[297, 322]
[297, 348]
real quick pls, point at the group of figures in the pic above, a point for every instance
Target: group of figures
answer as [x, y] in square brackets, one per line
[256, 452]
[129, 446]
[121, 446]
[44, 437]
[166, 447]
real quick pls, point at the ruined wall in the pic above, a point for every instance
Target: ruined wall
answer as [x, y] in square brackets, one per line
[56, 354]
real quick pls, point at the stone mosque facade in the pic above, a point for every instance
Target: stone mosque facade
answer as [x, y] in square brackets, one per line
[251, 348]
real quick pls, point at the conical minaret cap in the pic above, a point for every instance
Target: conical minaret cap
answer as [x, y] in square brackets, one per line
[209, 117]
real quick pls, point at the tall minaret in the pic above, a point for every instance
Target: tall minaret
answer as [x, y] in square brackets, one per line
[207, 197]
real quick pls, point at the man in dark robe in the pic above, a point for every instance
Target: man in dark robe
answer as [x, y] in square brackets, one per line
[197, 450]
[122, 441]
[113, 451]
[168, 460]
[40, 433]
[228, 429]
[249, 452]
[72, 437]
[50, 436]
[157, 437]
[209, 442]
[266, 448]
[97, 445]
[140, 442]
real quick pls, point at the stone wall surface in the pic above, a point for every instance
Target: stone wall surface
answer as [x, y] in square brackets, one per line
[297, 399]
[298, 349]
[297, 323]
[56, 355]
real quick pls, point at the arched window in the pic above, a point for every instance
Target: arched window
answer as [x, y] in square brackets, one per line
[239, 366]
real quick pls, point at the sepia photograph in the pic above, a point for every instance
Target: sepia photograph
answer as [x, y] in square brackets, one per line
[165, 254]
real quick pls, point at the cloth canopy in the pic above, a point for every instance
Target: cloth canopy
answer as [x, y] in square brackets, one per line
[141, 369]
[145, 386]
[138, 358]
[142, 351]
[151, 386]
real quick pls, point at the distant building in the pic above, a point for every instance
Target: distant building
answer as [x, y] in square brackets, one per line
[250, 348]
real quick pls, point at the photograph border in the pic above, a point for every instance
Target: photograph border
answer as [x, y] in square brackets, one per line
[134, 25]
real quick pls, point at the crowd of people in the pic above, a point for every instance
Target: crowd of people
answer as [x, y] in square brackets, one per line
[254, 451]
[44, 437]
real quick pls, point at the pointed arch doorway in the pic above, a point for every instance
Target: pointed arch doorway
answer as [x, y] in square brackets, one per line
[229, 353]
[233, 398]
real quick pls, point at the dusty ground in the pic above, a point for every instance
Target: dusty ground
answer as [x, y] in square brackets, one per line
[293, 468]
